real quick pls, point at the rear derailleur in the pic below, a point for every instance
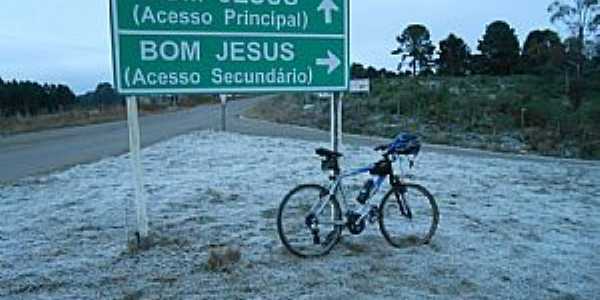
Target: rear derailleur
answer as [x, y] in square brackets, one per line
[312, 222]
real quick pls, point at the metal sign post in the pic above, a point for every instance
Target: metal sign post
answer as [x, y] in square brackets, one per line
[336, 121]
[223, 112]
[340, 113]
[135, 153]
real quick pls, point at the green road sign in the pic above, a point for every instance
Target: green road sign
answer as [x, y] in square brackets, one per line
[228, 46]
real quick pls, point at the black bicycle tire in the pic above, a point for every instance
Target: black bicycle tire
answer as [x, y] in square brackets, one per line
[434, 223]
[281, 234]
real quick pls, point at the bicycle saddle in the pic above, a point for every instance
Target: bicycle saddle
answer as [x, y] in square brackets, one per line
[327, 153]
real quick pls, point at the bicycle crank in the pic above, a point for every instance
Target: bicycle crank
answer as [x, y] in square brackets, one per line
[355, 224]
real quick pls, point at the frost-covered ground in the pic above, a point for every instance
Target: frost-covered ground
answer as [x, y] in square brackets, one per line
[509, 229]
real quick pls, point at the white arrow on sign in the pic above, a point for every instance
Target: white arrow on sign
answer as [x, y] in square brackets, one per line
[332, 62]
[328, 7]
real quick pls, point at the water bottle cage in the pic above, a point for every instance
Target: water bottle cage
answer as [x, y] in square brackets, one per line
[365, 192]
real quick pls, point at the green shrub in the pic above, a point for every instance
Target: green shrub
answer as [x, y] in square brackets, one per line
[440, 107]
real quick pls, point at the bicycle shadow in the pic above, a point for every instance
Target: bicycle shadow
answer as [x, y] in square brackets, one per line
[376, 244]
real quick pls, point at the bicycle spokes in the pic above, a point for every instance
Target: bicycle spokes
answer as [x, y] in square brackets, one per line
[316, 237]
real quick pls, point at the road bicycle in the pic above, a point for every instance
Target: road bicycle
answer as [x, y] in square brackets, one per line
[310, 219]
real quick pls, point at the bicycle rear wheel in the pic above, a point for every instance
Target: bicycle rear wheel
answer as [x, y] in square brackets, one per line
[305, 229]
[408, 216]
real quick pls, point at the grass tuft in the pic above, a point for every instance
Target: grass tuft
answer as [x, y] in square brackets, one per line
[223, 258]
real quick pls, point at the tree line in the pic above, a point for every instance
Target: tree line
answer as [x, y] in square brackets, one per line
[103, 96]
[543, 53]
[500, 53]
[27, 98]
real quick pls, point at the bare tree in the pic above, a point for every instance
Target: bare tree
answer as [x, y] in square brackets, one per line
[581, 17]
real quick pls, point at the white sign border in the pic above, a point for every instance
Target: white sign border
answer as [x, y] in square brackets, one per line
[116, 50]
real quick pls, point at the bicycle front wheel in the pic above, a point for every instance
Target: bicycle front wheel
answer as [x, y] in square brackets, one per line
[307, 221]
[409, 216]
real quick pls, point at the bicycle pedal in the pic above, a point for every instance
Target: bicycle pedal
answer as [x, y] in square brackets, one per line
[373, 218]
[316, 239]
[373, 215]
[329, 238]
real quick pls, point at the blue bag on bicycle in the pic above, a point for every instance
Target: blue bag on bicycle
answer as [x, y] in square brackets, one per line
[406, 144]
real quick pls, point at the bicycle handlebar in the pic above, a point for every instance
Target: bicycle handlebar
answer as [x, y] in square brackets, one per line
[381, 147]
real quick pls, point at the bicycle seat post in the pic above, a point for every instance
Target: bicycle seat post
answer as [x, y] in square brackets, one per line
[335, 172]
[329, 162]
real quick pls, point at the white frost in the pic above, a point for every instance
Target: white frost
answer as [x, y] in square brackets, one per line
[510, 229]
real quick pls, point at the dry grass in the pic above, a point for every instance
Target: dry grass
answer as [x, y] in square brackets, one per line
[136, 245]
[133, 295]
[81, 116]
[221, 258]
[78, 117]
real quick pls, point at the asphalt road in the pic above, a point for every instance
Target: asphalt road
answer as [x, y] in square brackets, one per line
[42, 152]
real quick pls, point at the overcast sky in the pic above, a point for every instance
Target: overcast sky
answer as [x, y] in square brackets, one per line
[67, 41]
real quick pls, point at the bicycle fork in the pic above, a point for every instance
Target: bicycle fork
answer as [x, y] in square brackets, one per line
[400, 193]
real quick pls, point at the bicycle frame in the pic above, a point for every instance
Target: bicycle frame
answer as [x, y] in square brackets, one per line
[336, 187]
[327, 212]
